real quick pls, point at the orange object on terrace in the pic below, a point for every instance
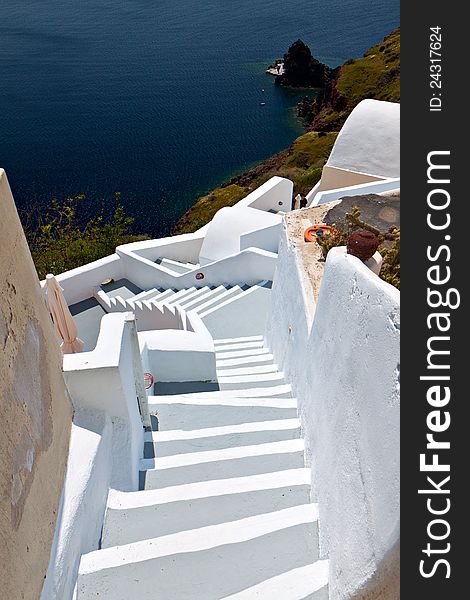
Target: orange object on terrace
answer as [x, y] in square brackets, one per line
[312, 233]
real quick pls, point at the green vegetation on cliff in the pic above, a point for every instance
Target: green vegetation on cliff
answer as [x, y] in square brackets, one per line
[59, 241]
[376, 75]
[302, 163]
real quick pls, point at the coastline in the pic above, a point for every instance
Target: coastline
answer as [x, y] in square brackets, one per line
[374, 75]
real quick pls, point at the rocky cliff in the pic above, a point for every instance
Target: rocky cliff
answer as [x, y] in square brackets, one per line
[301, 69]
[376, 75]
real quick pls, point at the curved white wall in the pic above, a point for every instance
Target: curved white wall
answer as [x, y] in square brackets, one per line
[344, 369]
[369, 141]
[228, 225]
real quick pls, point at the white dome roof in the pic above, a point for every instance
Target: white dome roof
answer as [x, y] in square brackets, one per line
[369, 141]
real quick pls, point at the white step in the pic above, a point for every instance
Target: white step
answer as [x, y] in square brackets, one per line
[189, 413]
[309, 582]
[260, 359]
[163, 296]
[282, 390]
[134, 516]
[247, 370]
[279, 457]
[224, 454]
[145, 294]
[250, 338]
[242, 315]
[180, 294]
[153, 294]
[224, 463]
[242, 353]
[203, 298]
[234, 291]
[171, 442]
[220, 350]
[200, 292]
[190, 293]
[222, 399]
[210, 432]
[203, 564]
[156, 295]
[261, 380]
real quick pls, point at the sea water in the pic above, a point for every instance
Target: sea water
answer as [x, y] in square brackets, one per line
[160, 100]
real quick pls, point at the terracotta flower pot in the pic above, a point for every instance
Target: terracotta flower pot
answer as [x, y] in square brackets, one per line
[363, 244]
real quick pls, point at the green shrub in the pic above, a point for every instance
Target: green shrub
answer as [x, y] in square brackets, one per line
[59, 241]
[389, 244]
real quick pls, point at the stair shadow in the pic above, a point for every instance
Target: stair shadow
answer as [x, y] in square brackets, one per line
[146, 522]
[219, 442]
[189, 417]
[223, 469]
[209, 574]
[154, 422]
[163, 388]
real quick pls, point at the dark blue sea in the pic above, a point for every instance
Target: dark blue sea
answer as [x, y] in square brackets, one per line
[157, 99]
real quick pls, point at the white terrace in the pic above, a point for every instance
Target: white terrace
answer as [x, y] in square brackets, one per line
[263, 462]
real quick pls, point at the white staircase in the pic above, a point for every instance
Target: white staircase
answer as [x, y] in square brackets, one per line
[225, 310]
[224, 511]
[176, 266]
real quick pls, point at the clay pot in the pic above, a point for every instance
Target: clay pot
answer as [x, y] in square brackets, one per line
[363, 244]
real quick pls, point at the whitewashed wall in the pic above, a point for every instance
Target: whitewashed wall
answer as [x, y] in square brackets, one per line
[105, 451]
[78, 283]
[342, 358]
[248, 266]
[103, 380]
[177, 355]
[369, 141]
[83, 501]
[274, 194]
[228, 225]
[183, 248]
[316, 197]
[136, 261]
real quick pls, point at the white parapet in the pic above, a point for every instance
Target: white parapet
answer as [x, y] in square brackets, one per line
[83, 502]
[342, 357]
[316, 197]
[78, 283]
[179, 355]
[104, 380]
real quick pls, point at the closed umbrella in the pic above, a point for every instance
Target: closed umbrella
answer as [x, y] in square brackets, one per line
[63, 320]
